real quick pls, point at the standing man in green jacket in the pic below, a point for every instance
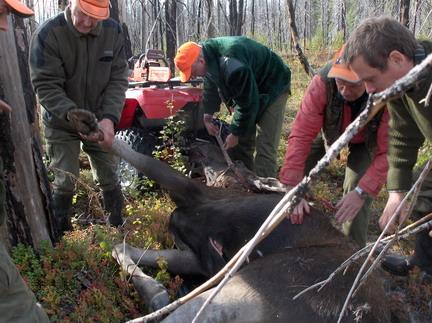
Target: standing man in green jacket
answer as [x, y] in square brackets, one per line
[77, 60]
[249, 79]
[381, 51]
[17, 302]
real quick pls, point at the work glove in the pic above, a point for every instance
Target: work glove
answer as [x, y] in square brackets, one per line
[83, 121]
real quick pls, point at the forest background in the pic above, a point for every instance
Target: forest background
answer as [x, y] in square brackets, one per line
[77, 280]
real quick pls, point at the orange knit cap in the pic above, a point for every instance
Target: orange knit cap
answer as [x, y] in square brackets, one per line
[187, 54]
[341, 70]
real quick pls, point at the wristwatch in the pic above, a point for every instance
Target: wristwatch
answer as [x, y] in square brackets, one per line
[363, 194]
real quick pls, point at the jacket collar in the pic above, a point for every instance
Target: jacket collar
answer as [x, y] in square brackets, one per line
[68, 16]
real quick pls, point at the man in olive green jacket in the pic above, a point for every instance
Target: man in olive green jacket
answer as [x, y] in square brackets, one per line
[77, 60]
[17, 302]
[381, 51]
[252, 81]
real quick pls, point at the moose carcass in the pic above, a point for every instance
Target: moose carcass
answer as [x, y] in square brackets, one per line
[214, 225]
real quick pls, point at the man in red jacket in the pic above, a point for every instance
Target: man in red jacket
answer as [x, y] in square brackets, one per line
[333, 99]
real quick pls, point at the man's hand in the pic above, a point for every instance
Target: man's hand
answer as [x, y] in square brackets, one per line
[231, 141]
[212, 129]
[395, 198]
[302, 209]
[106, 126]
[348, 207]
[4, 107]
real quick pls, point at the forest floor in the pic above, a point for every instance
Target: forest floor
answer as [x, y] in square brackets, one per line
[79, 281]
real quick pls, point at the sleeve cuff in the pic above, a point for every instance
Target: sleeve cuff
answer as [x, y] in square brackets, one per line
[399, 179]
[370, 186]
[290, 177]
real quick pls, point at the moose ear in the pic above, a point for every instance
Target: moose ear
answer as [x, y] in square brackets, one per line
[217, 246]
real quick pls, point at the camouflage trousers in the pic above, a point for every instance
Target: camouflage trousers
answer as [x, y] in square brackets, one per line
[258, 148]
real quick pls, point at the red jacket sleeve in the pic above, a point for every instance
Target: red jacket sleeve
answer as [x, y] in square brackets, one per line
[376, 175]
[306, 126]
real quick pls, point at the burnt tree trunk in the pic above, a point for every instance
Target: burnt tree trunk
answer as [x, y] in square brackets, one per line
[233, 16]
[161, 26]
[28, 194]
[211, 32]
[170, 33]
[253, 18]
[114, 14]
[294, 35]
[305, 24]
[240, 18]
[416, 12]
[198, 20]
[343, 20]
[114, 10]
[62, 4]
[404, 12]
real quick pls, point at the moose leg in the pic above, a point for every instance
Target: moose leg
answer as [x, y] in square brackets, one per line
[153, 293]
[178, 261]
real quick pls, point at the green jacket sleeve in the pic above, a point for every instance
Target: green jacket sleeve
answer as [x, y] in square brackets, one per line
[114, 95]
[48, 77]
[245, 94]
[405, 139]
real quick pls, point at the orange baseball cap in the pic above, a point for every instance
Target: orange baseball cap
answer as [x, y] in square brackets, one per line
[98, 9]
[19, 8]
[341, 70]
[187, 54]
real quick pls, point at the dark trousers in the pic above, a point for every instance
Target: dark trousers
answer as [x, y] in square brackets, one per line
[423, 244]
